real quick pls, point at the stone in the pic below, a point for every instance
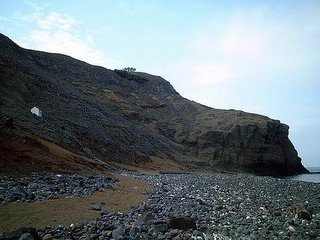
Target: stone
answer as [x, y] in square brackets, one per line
[17, 193]
[9, 123]
[174, 232]
[303, 214]
[31, 196]
[26, 232]
[118, 232]
[219, 207]
[47, 237]
[26, 236]
[205, 237]
[179, 237]
[182, 223]
[144, 218]
[246, 193]
[96, 207]
[277, 213]
[134, 230]
[109, 234]
[160, 227]
[291, 229]
[161, 237]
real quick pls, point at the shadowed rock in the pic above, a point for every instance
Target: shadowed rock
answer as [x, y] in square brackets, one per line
[9, 123]
[23, 234]
[182, 223]
[303, 213]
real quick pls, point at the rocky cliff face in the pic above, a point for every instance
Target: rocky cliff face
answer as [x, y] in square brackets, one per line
[123, 117]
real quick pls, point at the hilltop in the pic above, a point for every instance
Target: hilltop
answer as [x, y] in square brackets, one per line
[95, 117]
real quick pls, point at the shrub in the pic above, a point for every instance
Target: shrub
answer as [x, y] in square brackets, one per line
[130, 76]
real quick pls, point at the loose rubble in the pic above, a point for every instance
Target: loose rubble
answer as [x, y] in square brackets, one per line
[40, 187]
[203, 207]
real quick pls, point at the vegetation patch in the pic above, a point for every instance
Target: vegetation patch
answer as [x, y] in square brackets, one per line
[131, 76]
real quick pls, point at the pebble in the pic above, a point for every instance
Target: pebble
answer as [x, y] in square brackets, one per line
[221, 206]
[39, 187]
[119, 232]
[96, 207]
[47, 237]
[291, 229]
[26, 236]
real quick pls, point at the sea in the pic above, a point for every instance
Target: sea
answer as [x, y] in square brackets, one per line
[313, 176]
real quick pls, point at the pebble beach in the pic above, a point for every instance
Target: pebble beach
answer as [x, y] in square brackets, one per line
[190, 206]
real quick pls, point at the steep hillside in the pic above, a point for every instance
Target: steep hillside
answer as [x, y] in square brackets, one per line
[128, 118]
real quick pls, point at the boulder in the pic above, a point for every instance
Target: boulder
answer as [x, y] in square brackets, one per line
[118, 233]
[47, 237]
[303, 213]
[182, 223]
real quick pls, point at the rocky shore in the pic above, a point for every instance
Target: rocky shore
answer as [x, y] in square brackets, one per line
[191, 206]
[40, 187]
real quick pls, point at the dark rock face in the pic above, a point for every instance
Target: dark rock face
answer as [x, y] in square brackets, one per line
[106, 115]
[263, 148]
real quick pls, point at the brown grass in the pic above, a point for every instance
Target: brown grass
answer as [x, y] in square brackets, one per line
[25, 153]
[157, 164]
[128, 193]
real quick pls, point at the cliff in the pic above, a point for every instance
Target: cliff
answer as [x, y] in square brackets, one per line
[129, 118]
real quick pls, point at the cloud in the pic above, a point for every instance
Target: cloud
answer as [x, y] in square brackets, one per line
[66, 43]
[57, 32]
[244, 40]
[228, 53]
[210, 74]
[56, 20]
[254, 59]
[37, 13]
[3, 19]
[3, 22]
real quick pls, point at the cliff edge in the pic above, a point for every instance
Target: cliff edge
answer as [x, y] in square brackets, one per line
[129, 118]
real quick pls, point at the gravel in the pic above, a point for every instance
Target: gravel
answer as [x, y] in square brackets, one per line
[221, 207]
[40, 187]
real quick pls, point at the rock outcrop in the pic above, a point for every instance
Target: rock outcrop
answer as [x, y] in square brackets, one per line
[130, 117]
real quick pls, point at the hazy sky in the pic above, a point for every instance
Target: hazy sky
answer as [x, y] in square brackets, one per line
[257, 56]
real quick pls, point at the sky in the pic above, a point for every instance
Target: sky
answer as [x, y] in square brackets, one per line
[256, 56]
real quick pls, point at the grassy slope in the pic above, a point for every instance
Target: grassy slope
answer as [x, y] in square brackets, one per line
[22, 153]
